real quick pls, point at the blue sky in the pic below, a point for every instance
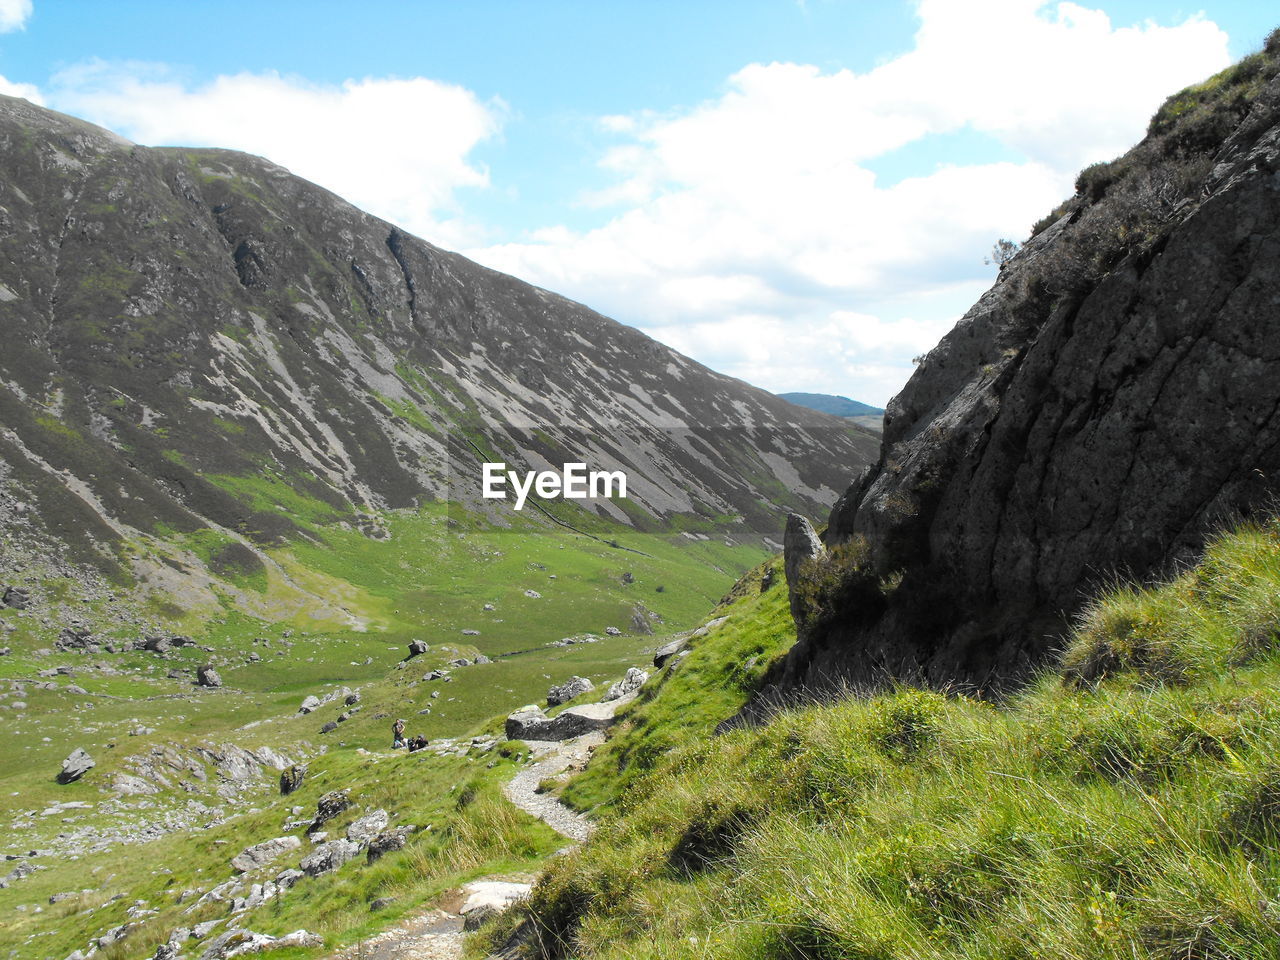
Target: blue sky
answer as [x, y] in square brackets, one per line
[797, 193]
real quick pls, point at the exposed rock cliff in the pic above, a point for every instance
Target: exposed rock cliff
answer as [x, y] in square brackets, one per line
[1114, 396]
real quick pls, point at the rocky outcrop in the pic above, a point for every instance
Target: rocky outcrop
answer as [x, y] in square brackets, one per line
[75, 766]
[1113, 398]
[571, 688]
[530, 723]
[800, 543]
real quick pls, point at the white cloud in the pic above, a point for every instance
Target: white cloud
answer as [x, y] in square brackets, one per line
[750, 232]
[27, 91]
[14, 14]
[398, 148]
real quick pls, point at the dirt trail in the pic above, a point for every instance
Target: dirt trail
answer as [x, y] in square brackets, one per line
[553, 758]
[437, 933]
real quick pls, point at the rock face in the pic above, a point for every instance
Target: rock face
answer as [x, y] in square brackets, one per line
[260, 854]
[563, 693]
[1110, 400]
[635, 679]
[207, 267]
[530, 723]
[75, 766]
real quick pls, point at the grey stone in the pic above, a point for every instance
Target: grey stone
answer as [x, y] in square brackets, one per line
[634, 679]
[309, 704]
[328, 807]
[530, 723]
[386, 842]
[669, 650]
[260, 854]
[417, 648]
[206, 676]
[364, 829]
[75, 766]
[328, 856]
[571, 688]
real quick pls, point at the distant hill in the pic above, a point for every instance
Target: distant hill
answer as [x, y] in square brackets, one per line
[860, 413]
[829, 403]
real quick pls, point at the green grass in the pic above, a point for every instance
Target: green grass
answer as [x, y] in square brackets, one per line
[1126, 805]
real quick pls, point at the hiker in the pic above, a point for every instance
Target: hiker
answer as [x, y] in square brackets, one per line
[417, 743]
[397, 735]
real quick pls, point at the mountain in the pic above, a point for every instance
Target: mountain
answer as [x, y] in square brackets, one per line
[199, 345]
[1110, 401]
[834, 405]
[863, 414]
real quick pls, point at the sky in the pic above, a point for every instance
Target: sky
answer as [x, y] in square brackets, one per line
[800, 193]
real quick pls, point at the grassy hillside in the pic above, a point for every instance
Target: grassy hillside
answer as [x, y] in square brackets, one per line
[431, 578]
[1126, 805]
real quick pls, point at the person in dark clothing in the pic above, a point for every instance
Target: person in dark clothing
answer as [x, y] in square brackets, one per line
[397, 735]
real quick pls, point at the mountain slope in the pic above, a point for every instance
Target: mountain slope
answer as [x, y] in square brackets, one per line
[1110, 401]
[199, 344]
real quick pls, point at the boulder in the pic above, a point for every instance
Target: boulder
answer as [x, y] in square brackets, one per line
[351, 699]
[291, 778]
[206, 676]
[367, 827]
[260, 854]
[328, 807]
[530, 723]
[667, 651]
[386, 842]
[75, 766]
[328, 856]
[635, 679]
[800, 544]
[571, 688]
[487, 899]
[309, 704]
[329, 727]
[15, 597]
[417, 648]
[613, 631]
[240, 942]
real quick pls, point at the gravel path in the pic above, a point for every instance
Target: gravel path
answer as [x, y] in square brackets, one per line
[554, 758]
[435, 935]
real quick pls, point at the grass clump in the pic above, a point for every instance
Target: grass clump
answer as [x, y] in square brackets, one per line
[1125, 805]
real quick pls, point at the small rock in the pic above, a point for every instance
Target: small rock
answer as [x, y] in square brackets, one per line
[309, 704]
[613, 631]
